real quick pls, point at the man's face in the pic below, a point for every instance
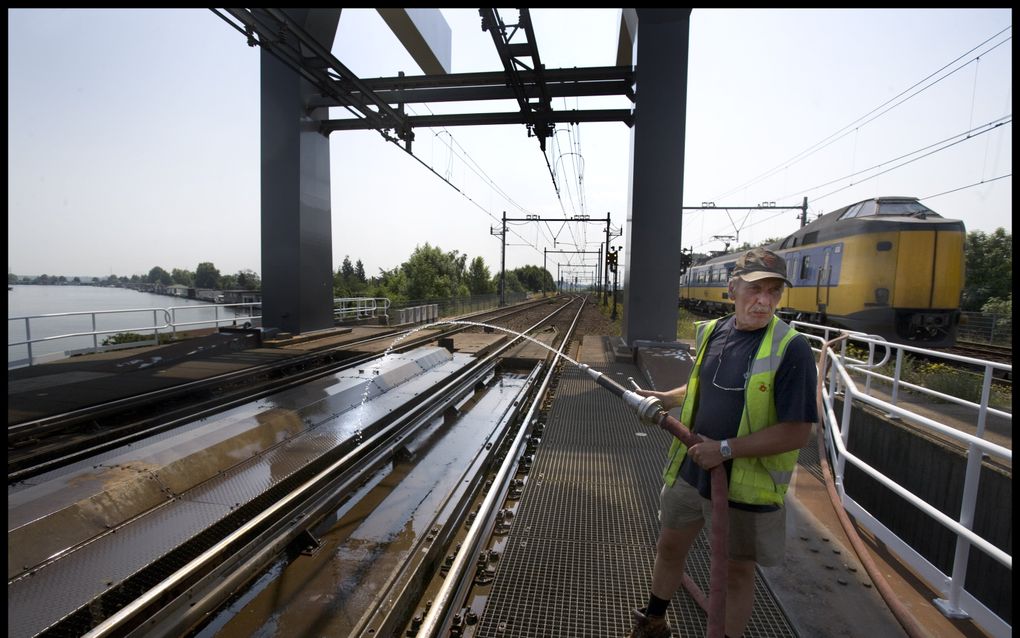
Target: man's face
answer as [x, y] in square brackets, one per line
[755, 301]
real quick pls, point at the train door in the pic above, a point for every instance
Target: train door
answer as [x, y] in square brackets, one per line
[823, 283]
[793, 274]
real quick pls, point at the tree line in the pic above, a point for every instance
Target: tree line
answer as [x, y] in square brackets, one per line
[432, 273]
[429, 273]
[988, 281]
[206, 275]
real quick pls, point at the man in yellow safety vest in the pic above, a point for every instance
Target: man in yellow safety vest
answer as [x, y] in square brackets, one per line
[750, 397]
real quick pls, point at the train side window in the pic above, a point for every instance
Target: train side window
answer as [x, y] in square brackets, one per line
[854, 210]
[792, 264]
[868, 208]
[805, 267]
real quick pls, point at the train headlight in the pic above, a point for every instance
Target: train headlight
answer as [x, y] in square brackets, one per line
[882, 296]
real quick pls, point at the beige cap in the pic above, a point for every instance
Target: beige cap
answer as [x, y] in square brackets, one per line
[759, 263]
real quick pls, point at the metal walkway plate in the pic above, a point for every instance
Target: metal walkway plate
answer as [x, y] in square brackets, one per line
[579, 554]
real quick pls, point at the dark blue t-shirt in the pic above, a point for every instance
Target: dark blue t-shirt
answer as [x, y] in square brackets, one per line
[725, 369]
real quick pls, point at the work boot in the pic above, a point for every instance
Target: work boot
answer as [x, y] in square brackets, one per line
[649, 626]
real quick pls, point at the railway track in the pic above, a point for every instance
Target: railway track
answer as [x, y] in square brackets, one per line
[189, 537]
[985, 352]
[46, 443]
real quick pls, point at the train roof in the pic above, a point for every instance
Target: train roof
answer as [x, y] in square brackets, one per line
[877, 214]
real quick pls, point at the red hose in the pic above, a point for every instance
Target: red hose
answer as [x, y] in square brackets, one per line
[716, 603]
[898, 609]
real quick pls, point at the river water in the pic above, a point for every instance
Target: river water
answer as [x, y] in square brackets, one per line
[146, 311]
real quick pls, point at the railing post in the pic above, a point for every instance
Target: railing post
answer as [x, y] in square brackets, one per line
[896, 381]
[844, 433]
[833, 375]
[95, 337]
[834, 378]
[871, 364]
[155, 325]
[950, 606]
[28, 338]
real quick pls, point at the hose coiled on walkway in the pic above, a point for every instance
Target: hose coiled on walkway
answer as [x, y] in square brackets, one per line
[898, 609]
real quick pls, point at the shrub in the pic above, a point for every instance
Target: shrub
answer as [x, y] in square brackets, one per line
[125, 337]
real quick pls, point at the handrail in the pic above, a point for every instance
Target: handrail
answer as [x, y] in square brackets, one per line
[169, 324]
[897, 383]
[360, 307]
[836, 434]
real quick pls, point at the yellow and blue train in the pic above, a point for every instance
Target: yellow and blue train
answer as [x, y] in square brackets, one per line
[889, 266]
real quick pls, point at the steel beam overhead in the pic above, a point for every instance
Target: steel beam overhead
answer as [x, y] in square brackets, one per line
[408, 93]
[477, 119]
[285, 39]
[510, 54]
[425, 34]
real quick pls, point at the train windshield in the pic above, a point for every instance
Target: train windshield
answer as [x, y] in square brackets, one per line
[912, 208]
[902, 208]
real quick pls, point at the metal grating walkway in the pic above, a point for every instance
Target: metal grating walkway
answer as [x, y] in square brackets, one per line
[579, 554]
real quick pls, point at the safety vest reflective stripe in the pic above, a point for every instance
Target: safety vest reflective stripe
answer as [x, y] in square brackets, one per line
[781, 477]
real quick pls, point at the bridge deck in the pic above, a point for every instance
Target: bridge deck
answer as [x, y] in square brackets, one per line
[579, 554]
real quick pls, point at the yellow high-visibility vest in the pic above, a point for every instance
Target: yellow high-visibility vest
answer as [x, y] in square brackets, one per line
[760, 480]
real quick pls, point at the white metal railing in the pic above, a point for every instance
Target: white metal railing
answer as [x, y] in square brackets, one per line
[353, 308]
[163, 320]
[957, 601]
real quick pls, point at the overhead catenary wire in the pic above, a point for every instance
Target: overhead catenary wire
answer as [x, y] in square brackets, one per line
[947, 146]
[872, 115]
[984, 181]
[964, 136]
[863, 120]
[478, 170]
[252, 27]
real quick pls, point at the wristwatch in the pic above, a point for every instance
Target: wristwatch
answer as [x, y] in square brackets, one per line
[725, 450]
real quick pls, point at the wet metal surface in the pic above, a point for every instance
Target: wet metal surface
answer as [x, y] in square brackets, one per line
[334, 590]
[182, 484]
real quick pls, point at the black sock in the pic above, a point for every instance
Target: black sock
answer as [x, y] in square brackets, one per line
[656, 606]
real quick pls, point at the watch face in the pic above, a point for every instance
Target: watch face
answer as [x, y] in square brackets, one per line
[724, 448]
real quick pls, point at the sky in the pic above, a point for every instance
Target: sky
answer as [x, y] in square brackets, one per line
[133, 136]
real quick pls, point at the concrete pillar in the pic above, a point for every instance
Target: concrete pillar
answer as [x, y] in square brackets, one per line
[652, 253]
[297, 244]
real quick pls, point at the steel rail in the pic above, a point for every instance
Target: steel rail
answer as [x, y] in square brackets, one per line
[40, 425]
[261, 538]
[403, 590]
[440, 615]
[19, 470]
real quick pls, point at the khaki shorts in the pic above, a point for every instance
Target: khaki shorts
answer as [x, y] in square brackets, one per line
[757, 536]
